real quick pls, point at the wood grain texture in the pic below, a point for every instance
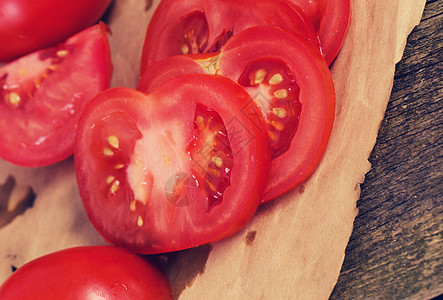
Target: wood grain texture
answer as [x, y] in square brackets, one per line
[396, 249]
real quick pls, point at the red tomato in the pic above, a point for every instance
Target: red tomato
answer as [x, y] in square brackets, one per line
[331, 21]
[290, 81]
[44, 93]
[203, 26]
[30, 25]
[179, 167]
[94, 272]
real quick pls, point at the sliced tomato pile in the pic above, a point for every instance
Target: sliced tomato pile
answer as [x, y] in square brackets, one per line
[172, 169]
[234, 107]
[43, 93]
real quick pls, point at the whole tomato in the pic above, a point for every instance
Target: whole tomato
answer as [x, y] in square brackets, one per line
[29, 25]
[93, 272]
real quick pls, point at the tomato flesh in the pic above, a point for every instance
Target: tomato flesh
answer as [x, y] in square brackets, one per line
[43, 94]
[172, 169]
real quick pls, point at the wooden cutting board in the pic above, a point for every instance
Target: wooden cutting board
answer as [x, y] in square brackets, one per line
[293, 247]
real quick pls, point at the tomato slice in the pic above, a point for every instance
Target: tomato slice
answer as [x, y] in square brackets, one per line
[291, 83]
[330, 19]
[172, 169]
[42, 96]
[93, 272]
[28, 25]
[203, 26]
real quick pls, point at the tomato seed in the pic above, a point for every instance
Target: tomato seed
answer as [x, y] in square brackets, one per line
[276, 79]
[119, 166]
[110, 179]
[132, 206]
[259, 76]
[277, 125]
[62, 53]
[13, 98]
[113, 141]
[108, 152]
[280, 112]
[281, 94]
[115, 186]
[139, 221]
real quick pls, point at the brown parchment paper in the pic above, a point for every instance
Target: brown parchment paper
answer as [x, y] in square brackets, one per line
[294, 246]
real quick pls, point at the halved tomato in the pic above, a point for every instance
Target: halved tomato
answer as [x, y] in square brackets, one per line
[203, 26]
[330, 19]
[173, 169]
[288, 79]
[42, 96]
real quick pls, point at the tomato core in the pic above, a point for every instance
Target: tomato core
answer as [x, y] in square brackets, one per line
[275, 90]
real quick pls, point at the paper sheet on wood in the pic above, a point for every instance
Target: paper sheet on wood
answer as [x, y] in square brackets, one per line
[294, 246]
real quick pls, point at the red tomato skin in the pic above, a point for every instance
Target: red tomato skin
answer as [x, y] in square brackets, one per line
[89, 272]
[53, 143]
[240, 200]
[30, 25]
[331, 19]
[221, 16]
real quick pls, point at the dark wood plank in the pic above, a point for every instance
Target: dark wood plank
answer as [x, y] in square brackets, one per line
[396, 249]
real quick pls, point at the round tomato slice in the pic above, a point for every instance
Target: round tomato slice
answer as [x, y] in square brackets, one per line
[203, 26]
[30, 25]
[42, 96]
[173, 169]
[93, 272]
[330, 19]
[291, 83]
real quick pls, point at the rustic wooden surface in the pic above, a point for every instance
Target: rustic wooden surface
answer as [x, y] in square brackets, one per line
[396, 249]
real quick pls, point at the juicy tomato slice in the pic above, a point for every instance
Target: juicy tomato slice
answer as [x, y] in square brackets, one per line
[330, 19]
[42, 96]
[29, 25]
[203, 26]
[288, 79]
[181, 166]
[94, 272]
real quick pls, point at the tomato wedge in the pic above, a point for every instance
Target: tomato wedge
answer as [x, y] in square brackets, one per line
[93, 272]
[330, 19]
[203, 26]
[173, 169]
[42, 96]
[291, 83]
